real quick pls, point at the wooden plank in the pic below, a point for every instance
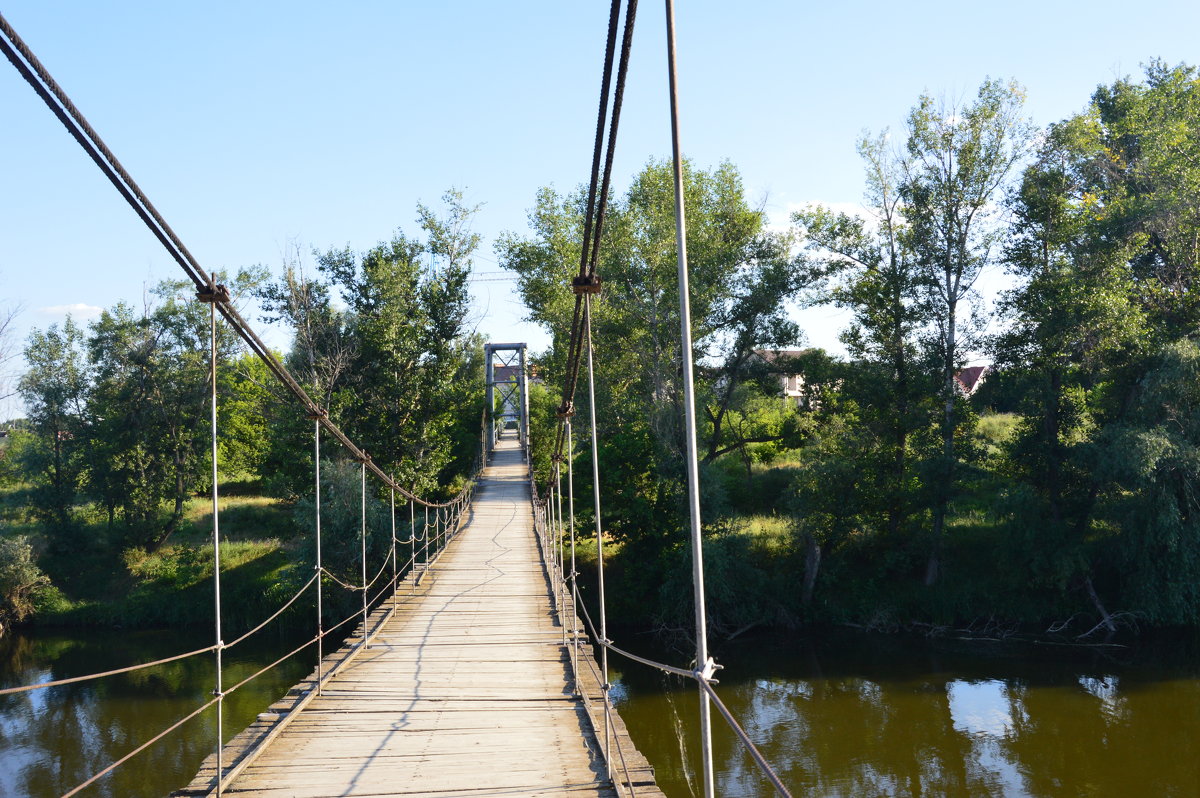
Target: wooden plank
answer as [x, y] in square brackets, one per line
[464, 688]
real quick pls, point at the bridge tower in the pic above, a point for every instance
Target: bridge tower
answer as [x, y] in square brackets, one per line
[507, 373]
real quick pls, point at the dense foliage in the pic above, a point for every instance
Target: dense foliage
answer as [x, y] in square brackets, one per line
[902, 498]
[879, 493]
[108, 474]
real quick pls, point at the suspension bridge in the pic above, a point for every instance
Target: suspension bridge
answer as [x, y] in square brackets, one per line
[472, 668]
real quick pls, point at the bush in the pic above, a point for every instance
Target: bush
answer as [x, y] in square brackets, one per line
[20, 580]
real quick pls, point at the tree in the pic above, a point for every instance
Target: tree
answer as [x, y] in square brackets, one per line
[8, 351]
[56, 389]
[739, 281]
[1071, 322]
[20, 579]
[409, 375]
[958, 159]
[868, 265]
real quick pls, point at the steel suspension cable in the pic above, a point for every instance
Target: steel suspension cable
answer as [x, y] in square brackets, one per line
[216, 524]
[320, 567]
[363, 539]
[703, 663]
[622, 70]
[587, 325]
[56, 99]
[594, 214]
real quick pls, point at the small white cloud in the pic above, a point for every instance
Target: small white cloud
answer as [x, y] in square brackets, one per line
[79, 310]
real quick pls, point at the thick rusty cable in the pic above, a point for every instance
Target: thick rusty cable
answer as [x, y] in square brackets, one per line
[102, 674]
[73, 120]
[622, 70]
[605, 86]
[276, 614]
[22, 57]
[594, 213]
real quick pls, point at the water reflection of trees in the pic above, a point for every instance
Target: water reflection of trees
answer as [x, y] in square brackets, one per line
[53, 739]
[961, 732]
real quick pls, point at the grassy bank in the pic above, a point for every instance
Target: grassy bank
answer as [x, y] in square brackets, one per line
[96, 582]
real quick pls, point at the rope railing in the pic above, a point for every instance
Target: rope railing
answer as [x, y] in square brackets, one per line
[89, 677]
[705, 681]
[100, 774]
[163, 661]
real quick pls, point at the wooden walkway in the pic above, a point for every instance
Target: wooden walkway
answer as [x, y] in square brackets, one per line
[464, 691]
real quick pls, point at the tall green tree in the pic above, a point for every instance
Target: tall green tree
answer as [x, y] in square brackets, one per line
[958, 161]
[867, 265]
[411, 369]
[740, 280]
[1072, 322]
[57, 389]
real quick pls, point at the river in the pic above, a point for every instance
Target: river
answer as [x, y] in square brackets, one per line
[839, 714]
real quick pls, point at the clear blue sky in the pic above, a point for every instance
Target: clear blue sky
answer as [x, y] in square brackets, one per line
[254, 124]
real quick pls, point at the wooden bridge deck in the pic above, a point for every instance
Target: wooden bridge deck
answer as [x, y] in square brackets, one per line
[464, 691]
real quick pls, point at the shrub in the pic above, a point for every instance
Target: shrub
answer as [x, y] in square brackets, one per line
[20, 580]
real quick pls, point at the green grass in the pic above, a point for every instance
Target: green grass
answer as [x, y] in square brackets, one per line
[95, 582]
[243, 518]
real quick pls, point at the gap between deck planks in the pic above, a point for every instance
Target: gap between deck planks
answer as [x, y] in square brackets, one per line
[464, 691]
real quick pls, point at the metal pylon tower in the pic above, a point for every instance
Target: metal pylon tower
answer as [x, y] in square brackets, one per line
[507, 375]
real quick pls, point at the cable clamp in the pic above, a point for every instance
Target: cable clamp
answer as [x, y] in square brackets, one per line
[218, 693]
[221, 645]
[220, 294]
[705, 674]
[586, 284]
[318, 413]
[606, 687]
[566, 410]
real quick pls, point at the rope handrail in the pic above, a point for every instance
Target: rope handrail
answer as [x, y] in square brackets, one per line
[157, 662]
[140, 748]
[114, 672]
[198, 710]
[706, 683]
[277, 613]
[751, 748]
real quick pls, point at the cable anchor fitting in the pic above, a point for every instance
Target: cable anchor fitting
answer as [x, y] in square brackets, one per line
[586, 284]
[705, 674]
[218, 294]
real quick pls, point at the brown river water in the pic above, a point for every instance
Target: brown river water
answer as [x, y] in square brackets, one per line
[838, 714]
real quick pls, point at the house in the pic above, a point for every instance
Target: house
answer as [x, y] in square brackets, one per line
[969, 380]
[782, 363]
